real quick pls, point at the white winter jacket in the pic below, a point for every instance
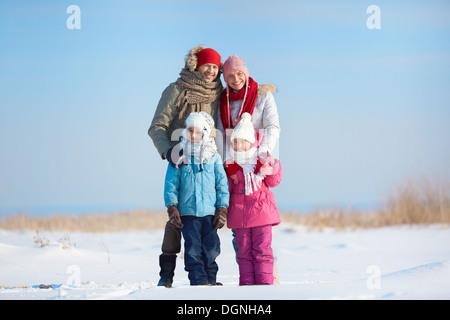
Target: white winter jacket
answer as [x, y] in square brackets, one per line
[264, 119]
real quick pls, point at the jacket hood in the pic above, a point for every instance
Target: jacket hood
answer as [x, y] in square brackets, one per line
[191, 58]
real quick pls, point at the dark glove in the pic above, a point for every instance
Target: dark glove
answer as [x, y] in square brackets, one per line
[220, 218]
[175, 156]
[174, 217]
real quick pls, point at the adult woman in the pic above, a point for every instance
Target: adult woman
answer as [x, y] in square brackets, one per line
[243, 94]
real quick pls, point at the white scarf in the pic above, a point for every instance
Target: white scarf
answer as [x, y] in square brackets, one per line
[201, 151]
[247, 160]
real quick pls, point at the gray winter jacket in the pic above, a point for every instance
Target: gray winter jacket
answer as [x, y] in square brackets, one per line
[169, 117]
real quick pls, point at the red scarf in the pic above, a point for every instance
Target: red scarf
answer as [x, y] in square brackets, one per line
[248, 103]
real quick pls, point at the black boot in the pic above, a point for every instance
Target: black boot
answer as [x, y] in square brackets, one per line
[167, 264]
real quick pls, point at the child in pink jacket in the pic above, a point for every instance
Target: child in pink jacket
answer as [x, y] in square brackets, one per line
[252, 211]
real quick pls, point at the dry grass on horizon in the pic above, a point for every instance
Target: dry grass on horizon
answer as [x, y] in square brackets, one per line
[413, 203]
[138, 219]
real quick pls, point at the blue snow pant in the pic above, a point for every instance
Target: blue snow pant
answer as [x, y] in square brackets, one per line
[201, 248]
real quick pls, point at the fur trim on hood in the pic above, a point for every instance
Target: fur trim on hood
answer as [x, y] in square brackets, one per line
[191, 58]
[266, 87]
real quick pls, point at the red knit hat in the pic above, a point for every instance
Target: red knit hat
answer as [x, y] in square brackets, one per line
[208, 55]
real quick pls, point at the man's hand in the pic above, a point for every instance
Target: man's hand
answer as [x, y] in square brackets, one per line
[175, 156]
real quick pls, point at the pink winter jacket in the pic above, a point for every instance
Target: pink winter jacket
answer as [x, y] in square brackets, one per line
[256, 209]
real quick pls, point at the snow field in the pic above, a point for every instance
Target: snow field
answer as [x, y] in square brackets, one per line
[386, 263]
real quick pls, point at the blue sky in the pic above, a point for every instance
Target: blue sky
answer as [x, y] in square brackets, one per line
[361, 110]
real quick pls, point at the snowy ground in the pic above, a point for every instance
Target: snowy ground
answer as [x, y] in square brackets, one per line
[388, 263]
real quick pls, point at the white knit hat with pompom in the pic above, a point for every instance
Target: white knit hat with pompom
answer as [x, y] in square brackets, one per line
[244, 129]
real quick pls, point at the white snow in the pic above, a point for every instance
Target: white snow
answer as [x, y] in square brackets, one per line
[388, 263]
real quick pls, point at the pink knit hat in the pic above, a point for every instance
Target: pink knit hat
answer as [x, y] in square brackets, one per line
[234, 63]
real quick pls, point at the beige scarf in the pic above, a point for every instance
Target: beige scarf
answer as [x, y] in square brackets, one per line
[196, 92]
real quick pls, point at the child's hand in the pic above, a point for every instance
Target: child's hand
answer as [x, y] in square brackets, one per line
[231, 168]
[220, 218]
[268, 164]
[174, 217]
[266, 169]
[234, 178]
[265, 157]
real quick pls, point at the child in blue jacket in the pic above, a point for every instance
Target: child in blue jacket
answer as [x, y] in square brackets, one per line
[197, 196]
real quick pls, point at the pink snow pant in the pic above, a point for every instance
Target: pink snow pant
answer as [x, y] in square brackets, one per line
[255, 255]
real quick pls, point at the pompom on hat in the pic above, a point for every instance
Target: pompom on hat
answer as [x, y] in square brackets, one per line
[244, 129]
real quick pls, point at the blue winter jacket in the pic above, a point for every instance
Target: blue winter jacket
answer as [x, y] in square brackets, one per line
[194, 192]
